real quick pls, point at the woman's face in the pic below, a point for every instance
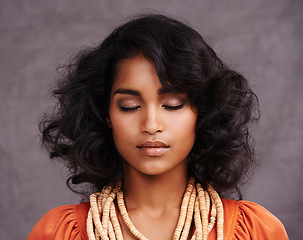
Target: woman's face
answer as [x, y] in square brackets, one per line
[153, 130]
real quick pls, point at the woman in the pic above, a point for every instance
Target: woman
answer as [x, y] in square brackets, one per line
[158, 126]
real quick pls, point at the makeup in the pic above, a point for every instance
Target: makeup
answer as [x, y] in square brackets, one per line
[153, 148]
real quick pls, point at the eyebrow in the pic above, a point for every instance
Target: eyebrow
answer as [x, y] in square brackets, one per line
[127, 91]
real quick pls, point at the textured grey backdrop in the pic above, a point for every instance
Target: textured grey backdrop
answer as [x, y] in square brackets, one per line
[262, 39]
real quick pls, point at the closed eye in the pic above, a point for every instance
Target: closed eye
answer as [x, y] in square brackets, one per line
[173, 107]
[129, 109]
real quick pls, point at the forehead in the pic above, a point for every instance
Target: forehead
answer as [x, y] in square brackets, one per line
[136, 73]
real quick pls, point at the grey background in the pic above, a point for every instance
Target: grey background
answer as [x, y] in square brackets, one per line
[261, 39]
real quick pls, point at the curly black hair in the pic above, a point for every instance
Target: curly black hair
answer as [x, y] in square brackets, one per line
[77, 132]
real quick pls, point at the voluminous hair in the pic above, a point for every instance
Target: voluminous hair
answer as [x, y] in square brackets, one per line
[77, 131]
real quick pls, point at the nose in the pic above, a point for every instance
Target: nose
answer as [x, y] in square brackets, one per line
[151, 121]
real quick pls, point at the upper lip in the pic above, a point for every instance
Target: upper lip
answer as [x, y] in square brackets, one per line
[153, 144]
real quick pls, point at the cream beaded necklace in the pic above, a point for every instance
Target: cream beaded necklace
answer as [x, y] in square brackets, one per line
[103, 223]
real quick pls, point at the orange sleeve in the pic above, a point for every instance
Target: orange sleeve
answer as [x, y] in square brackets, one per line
[62, 223]
[255, 222]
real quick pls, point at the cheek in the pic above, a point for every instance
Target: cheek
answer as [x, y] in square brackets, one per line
[123, 127]
[185, 130]
[120, 134]
[119, 126]
[117, 123]
[185, 124]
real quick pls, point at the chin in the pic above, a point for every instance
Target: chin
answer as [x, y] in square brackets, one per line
[153, 171]
[159, 170]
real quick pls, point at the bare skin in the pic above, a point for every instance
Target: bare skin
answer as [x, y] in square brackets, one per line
[153, 204]
[155, 177]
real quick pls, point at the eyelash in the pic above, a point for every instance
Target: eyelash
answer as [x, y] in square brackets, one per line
[173, 107]
[125, 109]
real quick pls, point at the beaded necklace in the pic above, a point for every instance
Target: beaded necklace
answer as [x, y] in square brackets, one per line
[103, 223]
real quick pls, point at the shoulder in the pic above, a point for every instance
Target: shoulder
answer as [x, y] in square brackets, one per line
[248, 220]
[65, 222]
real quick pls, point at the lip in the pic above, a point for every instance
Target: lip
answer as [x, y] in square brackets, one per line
[153, 148]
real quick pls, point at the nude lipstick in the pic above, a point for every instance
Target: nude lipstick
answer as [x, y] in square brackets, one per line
[153, 148]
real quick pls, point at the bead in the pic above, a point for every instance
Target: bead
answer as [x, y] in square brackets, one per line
[197, 205]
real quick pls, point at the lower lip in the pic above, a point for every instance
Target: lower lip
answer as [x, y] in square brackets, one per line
[153, 151]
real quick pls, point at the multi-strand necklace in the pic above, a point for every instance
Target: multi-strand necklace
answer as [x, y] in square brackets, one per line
[204, 206]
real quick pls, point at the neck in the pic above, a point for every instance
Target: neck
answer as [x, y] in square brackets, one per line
[149, 192]
[156, 193]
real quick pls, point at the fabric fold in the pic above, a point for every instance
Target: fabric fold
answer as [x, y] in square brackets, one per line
[66, 222]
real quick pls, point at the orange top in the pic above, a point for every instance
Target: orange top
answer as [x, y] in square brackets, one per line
[242, 220]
